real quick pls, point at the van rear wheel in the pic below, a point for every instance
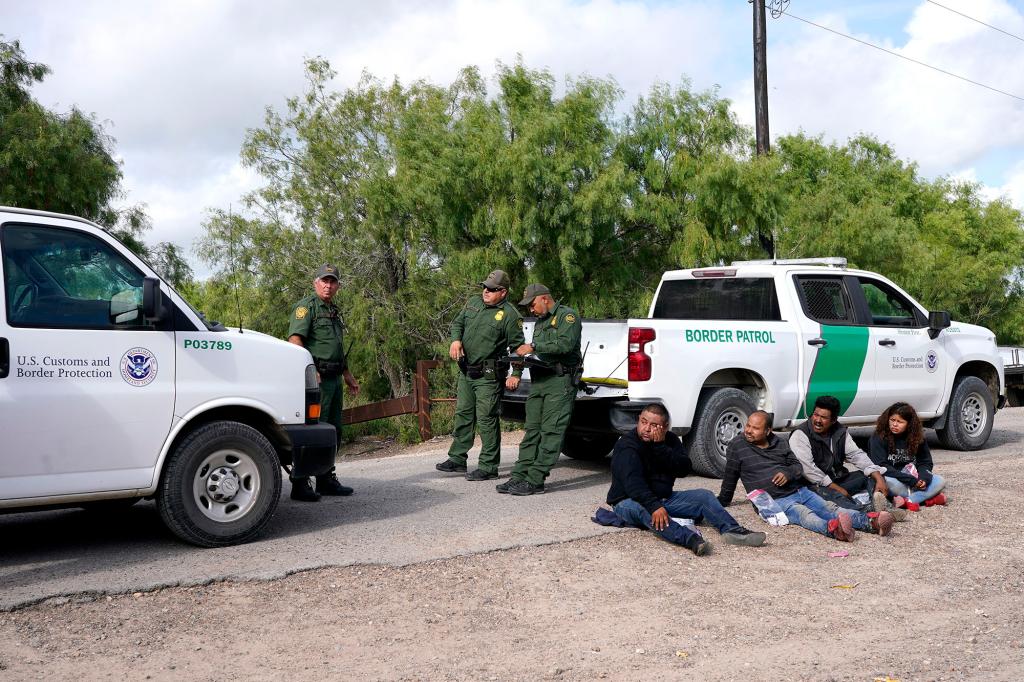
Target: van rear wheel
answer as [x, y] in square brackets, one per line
[220, 486]
[720, 417]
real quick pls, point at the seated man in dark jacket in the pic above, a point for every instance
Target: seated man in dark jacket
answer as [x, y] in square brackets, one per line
[645, 465]
[764, 462]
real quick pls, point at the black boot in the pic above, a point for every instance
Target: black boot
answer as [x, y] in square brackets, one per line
[303, 491]
[328, 484]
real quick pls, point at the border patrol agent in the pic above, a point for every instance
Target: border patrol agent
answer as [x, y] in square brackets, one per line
[316, 325]
[556, 341]
[482, 332]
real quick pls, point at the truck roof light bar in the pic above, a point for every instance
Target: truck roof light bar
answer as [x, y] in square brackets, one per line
[831, 261]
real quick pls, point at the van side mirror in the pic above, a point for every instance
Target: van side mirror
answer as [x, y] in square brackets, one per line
[152, 299]
[937, 321]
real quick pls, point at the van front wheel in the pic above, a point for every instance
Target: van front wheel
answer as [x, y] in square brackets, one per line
[220, 486]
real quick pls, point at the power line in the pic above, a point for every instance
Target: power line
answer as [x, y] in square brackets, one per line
[902, 56]
[978, 21]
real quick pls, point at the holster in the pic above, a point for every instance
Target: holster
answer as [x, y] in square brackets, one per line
[328, 370]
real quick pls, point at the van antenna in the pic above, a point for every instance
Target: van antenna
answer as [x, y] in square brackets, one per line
[234, 265]
[775, 244]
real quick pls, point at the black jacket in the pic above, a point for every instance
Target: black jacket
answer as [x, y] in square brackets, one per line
[755, 467]
[899, 457]
[646, 472]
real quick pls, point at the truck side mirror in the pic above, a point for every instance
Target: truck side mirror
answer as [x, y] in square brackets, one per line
[937, 321]
[152, 299]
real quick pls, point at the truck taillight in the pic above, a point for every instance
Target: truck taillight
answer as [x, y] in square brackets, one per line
[639, 360]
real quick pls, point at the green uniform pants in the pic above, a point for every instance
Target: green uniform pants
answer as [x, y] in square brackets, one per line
[330, 402]
[476, 406]
[548, 410]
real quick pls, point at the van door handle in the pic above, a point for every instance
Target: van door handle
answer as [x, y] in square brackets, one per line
[820, 343]
[5, 358]
[887, 342]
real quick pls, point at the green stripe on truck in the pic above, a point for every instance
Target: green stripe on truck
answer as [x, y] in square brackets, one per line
[838, 366]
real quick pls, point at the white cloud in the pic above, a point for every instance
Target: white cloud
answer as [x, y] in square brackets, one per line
[821, 82]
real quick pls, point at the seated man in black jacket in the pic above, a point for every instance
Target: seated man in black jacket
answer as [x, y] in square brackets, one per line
[645, 465]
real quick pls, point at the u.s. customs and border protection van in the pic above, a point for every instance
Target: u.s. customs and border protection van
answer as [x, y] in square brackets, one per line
[773, 335]
[113, 389]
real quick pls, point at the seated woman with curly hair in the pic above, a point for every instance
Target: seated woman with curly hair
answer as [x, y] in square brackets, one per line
[898, 444]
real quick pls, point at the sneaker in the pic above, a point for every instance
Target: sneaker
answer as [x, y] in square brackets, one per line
[701, 548]
[303, 491]
[938, 500]
[742, 536]
[911, 506]
[881, 522]
[450, 467]
[480, 475]
[841, 528]
[525, 488]
[329, 485]
[503, 487]
[881, 503]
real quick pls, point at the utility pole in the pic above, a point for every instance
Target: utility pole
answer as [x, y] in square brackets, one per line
[760, 80]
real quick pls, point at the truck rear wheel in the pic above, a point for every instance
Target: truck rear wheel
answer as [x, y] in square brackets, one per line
[591, 447]
[720, 417]
[969, 416]
[220, 486]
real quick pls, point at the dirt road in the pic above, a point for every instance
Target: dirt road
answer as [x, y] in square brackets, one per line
[938, 600]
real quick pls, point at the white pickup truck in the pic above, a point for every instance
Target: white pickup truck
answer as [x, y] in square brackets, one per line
[113, 389]
[774, 335]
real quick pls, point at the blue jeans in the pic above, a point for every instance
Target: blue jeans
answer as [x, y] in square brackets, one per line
[684, 504]
[806, 509]
[897, 487]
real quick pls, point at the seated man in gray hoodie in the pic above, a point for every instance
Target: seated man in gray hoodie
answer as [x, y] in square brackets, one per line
[764, 462]
[824, 447]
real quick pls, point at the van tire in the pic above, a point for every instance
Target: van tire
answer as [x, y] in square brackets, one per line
[589, 447]
[220, 485]
[969, 416]
[720, 412]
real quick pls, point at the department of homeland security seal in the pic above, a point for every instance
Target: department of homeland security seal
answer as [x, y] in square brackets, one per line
[138, 366]
[932, 361]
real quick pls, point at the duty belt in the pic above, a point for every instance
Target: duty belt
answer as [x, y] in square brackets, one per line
[328, 369]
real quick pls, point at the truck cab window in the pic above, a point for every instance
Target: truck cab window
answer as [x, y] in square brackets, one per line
[887, 307]
[748, 298]
[59, 278]
[825, 300]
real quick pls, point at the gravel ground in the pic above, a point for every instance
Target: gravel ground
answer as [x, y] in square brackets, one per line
[940, 599]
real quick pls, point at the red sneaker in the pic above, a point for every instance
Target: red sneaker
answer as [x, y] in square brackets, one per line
[938, 500]
[881, 522]
[841, 528]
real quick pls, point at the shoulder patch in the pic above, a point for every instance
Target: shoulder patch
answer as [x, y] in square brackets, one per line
[570, 318]
[300, 312]
[520, 322]
[500, 315]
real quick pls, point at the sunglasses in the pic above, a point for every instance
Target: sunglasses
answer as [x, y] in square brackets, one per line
[493, 290]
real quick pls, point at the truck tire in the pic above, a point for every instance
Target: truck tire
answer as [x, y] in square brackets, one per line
[969, 416]
[591, 447]
[720, 416]
[220, 486]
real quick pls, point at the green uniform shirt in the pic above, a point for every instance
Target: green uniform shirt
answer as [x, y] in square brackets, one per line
[319, 325]
[556, 336]
[486, 331]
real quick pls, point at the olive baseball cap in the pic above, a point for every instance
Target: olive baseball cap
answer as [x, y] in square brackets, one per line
[532, 292]
[327, 271]
[496, 280]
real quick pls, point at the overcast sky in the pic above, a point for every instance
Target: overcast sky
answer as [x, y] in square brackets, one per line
[179, 83]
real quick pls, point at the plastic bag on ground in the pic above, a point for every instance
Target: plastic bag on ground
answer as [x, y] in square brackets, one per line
[768, 508]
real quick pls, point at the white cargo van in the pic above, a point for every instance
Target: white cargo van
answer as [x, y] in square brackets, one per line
[774, 335]
[113, 389]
